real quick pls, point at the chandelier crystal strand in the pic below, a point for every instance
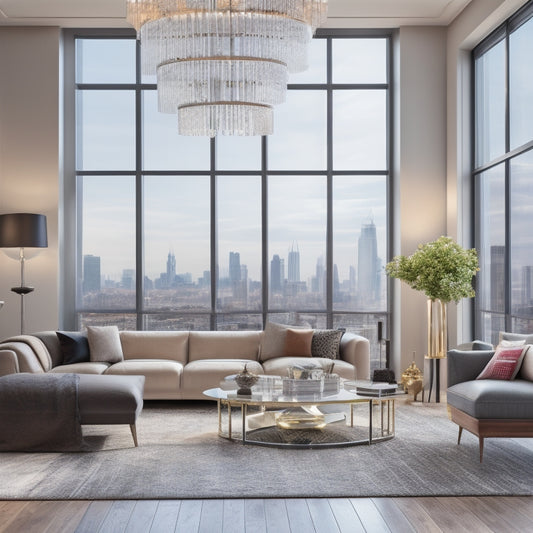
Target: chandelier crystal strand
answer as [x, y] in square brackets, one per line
[222, 64]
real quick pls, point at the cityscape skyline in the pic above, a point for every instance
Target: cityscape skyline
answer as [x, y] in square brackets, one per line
[364, 279]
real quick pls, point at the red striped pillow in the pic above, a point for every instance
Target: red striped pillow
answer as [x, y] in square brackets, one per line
[505, 363]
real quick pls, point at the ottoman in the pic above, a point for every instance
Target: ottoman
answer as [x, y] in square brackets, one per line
[108, 399]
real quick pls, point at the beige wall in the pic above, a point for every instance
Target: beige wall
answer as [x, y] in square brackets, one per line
[29, 182]
[420, 171]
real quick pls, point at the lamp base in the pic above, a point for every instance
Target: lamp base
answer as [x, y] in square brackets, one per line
[22, 290]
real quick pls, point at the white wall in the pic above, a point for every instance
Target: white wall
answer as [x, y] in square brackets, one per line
[29, 176]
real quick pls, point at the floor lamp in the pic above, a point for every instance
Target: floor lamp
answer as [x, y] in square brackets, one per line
[23, 230]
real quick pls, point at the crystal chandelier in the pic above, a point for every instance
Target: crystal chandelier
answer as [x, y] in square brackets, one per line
[222, 64]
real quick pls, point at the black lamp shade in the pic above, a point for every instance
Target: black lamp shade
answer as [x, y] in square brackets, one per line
[23, 230]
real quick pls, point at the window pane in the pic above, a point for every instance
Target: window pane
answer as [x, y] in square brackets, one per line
[296, 318]
[491, 325]
[239, 243]
[490, 104]
[176, 322]
[359, 243]
[520, 83]
[235, 152]
[231, 322]
[360, 130]
[316, 72]
[105, 60]
[163, 147]
[176, 243]
[491, 278]
[521, 235]
[105, 130]
[122, 321]
[107, 271]
[359, 60]
[365, 324]
[299, 139]
[297, 242]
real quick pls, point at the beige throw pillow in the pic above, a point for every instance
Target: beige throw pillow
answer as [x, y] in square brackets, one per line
[104, 344]
[273, 340]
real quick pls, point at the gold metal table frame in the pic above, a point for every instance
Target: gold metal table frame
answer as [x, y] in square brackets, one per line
[229, 403]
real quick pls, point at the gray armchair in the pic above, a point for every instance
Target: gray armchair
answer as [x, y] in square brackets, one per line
[487, 407]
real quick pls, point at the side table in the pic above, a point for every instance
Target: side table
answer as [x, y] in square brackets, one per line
[434, 376]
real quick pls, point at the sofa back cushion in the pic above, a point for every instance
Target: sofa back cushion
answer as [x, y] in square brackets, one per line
[171, 345]
[526, 370]
[224, 345]
[50, 340]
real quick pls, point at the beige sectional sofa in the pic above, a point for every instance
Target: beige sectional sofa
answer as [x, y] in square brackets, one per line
[178, 364]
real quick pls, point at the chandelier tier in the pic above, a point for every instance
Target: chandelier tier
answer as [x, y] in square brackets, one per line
[222, 64]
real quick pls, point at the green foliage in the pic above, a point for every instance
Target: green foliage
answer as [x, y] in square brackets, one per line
[440, 269]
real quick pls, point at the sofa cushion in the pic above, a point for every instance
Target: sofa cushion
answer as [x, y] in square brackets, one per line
[297, 343]
[74, 347]
[110, 399]
[163, 377]
[81, 368]
[155, 345]
[326, 343]
[490, 398]
[508, 336]
[104, 344]
[224, 345]
[206, 374]
[505, 363]
[526, 370]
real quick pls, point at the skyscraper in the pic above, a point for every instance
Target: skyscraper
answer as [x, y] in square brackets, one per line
[171, 269]
[368, 263]
[91, 274]
[294, 264]
[234, 266]
[276, 280]
[497, 278]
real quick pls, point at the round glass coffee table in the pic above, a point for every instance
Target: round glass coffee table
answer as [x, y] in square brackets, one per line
[312, 421]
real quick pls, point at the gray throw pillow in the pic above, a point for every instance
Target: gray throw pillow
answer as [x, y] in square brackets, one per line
[326, 343]
[104, 344]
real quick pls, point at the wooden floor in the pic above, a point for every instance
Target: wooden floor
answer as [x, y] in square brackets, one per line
[328, 515]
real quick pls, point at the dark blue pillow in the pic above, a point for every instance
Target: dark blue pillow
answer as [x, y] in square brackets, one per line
[74, 347]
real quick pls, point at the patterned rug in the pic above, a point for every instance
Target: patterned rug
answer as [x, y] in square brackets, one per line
[180, 455]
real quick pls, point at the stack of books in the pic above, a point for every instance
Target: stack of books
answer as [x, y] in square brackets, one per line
[377, 389]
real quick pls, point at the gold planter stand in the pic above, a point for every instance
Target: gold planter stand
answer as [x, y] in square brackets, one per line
[437, 343]
[437, 331]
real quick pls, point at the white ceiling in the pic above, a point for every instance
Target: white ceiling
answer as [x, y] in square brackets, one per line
[342, 13]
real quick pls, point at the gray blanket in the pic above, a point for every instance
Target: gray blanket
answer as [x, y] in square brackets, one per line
[39, 412]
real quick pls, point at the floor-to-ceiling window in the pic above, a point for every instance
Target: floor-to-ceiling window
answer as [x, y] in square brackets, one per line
[177, 232]
[503, 177]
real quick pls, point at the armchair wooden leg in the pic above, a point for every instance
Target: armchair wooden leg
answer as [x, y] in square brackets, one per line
[459, 436]
[134, 434]
[481, 440]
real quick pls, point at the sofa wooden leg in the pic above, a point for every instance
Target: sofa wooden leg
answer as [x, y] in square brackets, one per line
[459, 436]
[481, 440]
[134, 434]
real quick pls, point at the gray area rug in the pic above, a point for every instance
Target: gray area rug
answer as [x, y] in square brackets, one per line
[181, 456]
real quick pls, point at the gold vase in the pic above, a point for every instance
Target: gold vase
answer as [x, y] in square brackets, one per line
[437, 333]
